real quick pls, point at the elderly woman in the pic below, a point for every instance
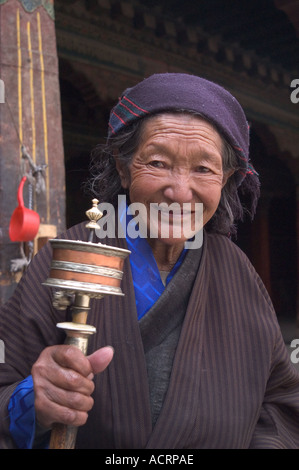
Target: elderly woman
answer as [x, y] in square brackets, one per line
[198, 356]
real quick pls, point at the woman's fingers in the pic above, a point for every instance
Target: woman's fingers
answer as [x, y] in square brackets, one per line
[63, 384]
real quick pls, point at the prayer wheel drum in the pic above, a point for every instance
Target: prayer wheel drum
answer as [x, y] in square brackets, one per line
[89, 268]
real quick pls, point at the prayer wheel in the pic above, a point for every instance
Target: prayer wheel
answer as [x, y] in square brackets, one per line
[89, 268]
[81, 271]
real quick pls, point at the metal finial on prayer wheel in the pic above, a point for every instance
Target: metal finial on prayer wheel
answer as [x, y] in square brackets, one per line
[94, 214]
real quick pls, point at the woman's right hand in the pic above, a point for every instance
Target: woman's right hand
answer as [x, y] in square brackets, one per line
[63, 383]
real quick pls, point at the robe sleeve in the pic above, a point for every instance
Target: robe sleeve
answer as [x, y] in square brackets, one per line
[277, 426]
[27, 325]
[25, 431]
[22, 414]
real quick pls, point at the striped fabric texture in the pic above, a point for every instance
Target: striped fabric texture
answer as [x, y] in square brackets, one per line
[232, 384]
[124, 113]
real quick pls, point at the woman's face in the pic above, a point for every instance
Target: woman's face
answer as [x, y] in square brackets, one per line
[177, 161]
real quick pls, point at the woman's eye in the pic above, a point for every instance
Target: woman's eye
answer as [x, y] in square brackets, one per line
[157, 164]
[203, 169]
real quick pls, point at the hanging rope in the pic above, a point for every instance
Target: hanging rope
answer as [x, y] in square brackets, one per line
[37, 174]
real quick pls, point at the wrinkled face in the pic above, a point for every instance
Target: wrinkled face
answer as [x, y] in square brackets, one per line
[177, 161]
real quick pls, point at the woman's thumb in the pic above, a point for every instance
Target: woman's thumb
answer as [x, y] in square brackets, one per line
[100, 359]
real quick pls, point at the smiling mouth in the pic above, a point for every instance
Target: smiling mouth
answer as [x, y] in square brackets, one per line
[174, 209]
[175, 215]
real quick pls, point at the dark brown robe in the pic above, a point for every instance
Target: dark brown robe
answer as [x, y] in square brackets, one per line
[232, 384]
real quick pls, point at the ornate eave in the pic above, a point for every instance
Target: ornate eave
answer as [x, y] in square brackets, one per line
[128, 41]
[130, 19]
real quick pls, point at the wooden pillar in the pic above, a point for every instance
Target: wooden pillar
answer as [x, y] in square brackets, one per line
[31, 116]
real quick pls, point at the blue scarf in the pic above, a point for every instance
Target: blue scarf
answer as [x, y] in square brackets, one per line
[147, 282]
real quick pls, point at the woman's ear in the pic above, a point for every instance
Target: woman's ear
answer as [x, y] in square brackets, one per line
[123, 172]
[227, 175]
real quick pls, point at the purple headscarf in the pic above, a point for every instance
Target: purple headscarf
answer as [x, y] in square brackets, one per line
[168, 91]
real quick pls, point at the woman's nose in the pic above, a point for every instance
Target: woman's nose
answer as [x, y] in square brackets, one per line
[179, 189]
